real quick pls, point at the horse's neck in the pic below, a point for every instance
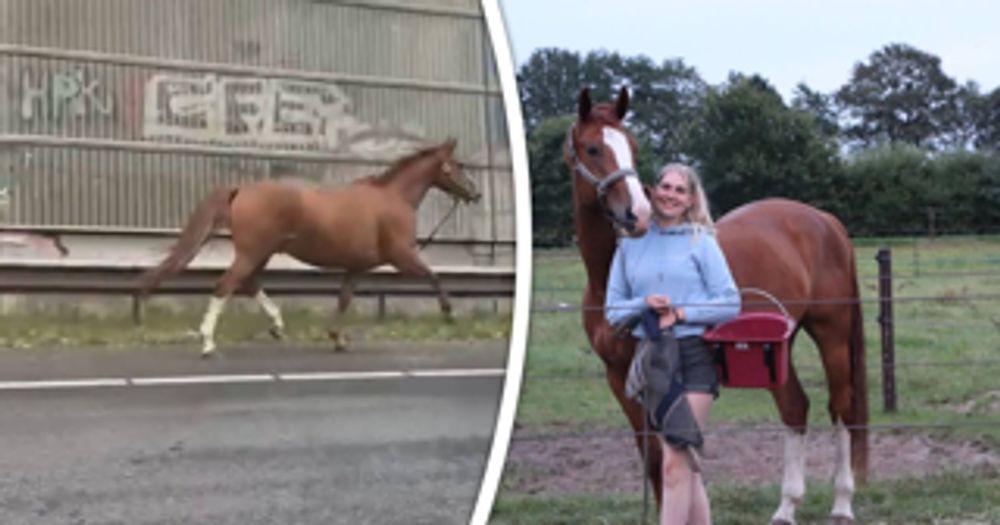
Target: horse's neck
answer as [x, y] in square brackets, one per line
[596, 239]
[413, 183]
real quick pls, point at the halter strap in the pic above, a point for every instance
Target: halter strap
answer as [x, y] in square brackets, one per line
[601, 185]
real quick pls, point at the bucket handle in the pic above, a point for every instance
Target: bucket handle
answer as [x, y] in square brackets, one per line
[766, 295]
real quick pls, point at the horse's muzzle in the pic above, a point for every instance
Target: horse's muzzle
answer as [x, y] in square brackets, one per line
[470, 195]
[631, 221]
[630, 225]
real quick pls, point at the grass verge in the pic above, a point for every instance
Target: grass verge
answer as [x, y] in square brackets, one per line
[163, 326]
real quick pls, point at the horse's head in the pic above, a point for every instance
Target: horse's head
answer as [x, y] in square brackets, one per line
[451, 178]
[601, 153]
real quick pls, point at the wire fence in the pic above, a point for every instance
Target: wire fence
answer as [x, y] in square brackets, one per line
[760, 428]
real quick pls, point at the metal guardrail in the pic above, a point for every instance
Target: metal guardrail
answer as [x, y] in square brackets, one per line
[33, 277]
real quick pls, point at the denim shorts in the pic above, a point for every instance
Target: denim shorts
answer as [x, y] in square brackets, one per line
[698, 366]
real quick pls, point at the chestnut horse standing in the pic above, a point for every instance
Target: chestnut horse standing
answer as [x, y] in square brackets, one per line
[799, 254]
[354, 227]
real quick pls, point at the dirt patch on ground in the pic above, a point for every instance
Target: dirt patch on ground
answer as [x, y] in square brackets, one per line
[988, 403]
[605, 460]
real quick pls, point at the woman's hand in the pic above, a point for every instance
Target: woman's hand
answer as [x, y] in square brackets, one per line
[660, 303]
[668, 318]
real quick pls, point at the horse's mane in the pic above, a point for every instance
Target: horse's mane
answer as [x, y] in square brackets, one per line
[398, 166]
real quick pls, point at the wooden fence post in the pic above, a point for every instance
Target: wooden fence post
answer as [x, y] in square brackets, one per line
[884, 259]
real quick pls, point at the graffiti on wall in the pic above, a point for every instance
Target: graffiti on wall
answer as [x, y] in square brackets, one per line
[243, 111]
[212, 109]
[63, 95]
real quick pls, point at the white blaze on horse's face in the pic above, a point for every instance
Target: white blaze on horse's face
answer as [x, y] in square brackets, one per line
[619, 145]
[618, 142]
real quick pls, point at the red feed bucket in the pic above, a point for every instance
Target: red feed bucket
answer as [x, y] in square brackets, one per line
[751, 351]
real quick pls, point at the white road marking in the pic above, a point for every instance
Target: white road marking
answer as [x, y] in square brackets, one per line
[247, 378]
[340, 376]
[63, 383]
[461, 372]
[202, 379]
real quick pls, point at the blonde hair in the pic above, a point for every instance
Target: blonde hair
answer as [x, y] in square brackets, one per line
[698, 214]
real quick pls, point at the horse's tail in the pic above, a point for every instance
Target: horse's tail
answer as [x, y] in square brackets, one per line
[859, 384]
[212, 212]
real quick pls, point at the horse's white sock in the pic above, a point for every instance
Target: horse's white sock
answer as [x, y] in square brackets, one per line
[843, 478]
[793, 483]
[271, 309]
[215, 307]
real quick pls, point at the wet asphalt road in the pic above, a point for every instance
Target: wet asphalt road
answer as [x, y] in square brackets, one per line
[394, 449]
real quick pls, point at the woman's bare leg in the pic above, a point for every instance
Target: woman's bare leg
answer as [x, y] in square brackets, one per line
[701, 512]
[677, 485]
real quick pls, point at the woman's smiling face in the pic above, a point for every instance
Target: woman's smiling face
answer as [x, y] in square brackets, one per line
[671, 197]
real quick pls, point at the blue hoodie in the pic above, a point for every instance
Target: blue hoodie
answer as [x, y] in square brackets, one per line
[684, 263]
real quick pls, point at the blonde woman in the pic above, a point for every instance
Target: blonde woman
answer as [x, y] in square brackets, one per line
[678, 270]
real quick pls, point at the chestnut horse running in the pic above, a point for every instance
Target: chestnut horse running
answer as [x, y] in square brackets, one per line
[354, 227]
[799, 254]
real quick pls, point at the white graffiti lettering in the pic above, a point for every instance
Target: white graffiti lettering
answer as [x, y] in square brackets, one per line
[57, 96]
[261, 112]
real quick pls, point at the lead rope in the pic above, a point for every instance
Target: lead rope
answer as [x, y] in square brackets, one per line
[766, 295]
[423, 244]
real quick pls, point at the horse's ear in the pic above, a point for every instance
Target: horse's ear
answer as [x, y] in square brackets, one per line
[583, 104]
[621, 106]
[449, 145]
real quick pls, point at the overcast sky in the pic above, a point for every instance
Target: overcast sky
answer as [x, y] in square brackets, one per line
[785, 41]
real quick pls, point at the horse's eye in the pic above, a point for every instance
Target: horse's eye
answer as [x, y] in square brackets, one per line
[593, 151]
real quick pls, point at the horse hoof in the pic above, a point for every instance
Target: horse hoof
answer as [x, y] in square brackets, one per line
[782, 522]
[841, 520]
[277, 333]
[339, 339]
[208, 354]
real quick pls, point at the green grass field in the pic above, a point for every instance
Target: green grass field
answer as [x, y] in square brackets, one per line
[948, 362]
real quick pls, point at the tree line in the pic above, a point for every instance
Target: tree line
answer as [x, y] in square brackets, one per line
[899, 147]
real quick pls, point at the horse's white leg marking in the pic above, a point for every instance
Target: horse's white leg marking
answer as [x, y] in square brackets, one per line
[272, 310]
[215, 307]
[793, 483]
[844, 477]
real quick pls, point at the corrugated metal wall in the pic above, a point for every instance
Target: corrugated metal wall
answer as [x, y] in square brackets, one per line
[7, 155]
[97, 92]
